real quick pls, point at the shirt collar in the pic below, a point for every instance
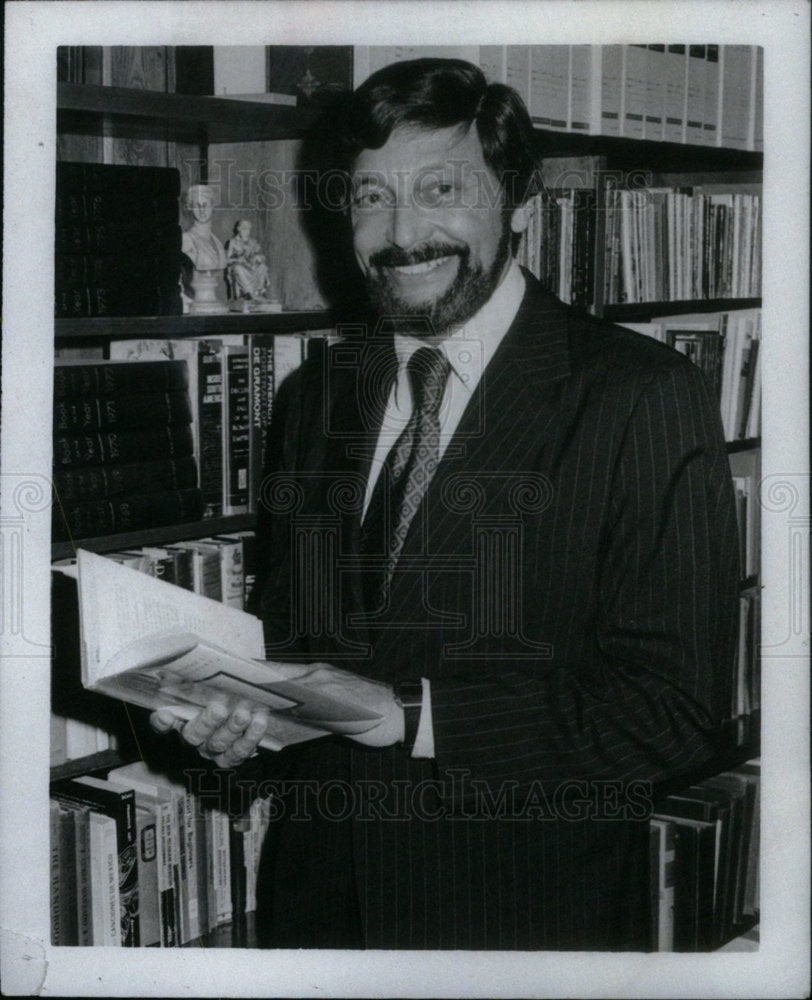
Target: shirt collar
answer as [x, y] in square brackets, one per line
[471, 346]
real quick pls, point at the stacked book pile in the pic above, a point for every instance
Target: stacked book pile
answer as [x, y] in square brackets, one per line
[118, 241]
[139, 860]
[704, 861]
[123, 448]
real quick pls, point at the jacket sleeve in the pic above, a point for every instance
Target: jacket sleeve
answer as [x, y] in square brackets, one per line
[665, 634]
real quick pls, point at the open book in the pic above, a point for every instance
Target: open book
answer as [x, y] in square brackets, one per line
[156, 645]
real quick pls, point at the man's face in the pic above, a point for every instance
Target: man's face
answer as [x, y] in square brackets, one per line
[429, 228]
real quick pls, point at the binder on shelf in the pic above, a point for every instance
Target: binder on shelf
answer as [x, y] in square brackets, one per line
[675, 70]
[695, 94]
[611, 90]
[549, 86]
[655, 93]
[634, 91]
[517, 70]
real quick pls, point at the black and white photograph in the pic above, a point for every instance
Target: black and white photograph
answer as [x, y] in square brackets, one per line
[405, 499]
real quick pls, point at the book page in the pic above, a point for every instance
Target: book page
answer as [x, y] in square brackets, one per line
[178, 668]
[119, 605]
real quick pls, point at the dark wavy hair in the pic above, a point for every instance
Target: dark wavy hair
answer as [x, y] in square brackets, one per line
[440, 93]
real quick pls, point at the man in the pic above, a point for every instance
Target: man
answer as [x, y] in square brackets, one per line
[513, 527]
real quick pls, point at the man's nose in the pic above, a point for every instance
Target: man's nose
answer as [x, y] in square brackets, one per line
[410, 225]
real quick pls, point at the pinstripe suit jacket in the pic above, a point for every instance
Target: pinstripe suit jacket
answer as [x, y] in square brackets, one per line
[569, 587]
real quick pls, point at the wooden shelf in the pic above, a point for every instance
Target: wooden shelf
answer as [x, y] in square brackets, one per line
[625, 154]
[174, 327]
[104, 760]
[641, 312]
[147, 114]
[155, 536]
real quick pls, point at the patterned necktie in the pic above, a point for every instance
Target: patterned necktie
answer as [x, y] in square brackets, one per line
[407, 471]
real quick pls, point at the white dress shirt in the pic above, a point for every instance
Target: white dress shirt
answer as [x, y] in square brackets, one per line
[468, 349]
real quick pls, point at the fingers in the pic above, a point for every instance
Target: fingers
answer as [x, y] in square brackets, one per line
[225, 736]
[202, 727]
[163, 720]
[244, 743]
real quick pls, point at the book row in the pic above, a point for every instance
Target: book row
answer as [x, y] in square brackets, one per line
[652, 244]
[117, 241]
[137, 860]
[222, 567]
[704, 854]
[708, 95]
[166, 431]
[726, 346]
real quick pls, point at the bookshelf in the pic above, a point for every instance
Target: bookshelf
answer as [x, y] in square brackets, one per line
[105, 328]
[149, 116]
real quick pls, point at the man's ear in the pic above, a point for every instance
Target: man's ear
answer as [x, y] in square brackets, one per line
[520, 218]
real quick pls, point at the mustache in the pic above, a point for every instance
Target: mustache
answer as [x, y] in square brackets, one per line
[397, 257]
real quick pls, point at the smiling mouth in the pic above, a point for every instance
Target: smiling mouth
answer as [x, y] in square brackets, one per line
[423, 267]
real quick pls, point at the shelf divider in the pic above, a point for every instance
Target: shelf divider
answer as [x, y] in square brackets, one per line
[104, 328]
[165, 535]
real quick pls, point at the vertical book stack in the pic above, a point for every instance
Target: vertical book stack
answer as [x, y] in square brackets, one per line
[123, 448]
[118, 241]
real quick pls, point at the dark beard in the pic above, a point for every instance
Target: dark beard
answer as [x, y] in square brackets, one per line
[468, 292]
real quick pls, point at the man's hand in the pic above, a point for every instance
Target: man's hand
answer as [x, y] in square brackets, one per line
[229, 736]
[226, 737]
[329, 680]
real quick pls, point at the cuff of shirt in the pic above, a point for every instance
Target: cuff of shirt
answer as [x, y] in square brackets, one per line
[424, 741]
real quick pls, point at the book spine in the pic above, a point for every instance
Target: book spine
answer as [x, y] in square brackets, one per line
[655, 93]
[89, 482]
[190, 838]
[120, 805]
[67, 876]
[611, 89]
[148, 865]
[56, 895]
[262, 386]
[121, 412]
[695, 94]
[107, 447]
[238, 873]
[167, 885]
[580, 82]
[236, 430]
[105, 880]
[675, 93]
[549, 86]
[232, 571]
[712, 115]
[517, 70]
[125, 377]
[634, 90]
[128, 513]
[492, 62]
[83, 876]
[210, 431]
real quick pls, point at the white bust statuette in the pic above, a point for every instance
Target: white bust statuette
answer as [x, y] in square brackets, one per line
[204, 249]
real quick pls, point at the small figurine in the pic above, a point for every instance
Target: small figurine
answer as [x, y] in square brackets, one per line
[204, 250]
[247, 268]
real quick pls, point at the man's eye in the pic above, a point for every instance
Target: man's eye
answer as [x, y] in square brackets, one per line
[368, 199]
